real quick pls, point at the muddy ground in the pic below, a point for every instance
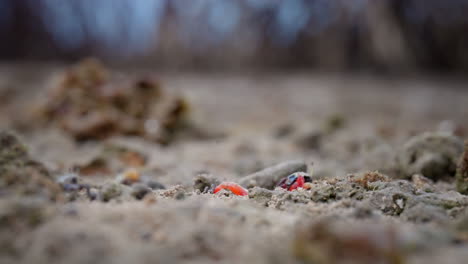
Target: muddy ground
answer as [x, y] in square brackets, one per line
[382, 153]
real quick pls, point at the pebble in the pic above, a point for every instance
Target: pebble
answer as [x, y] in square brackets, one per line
[139, 191]
[269, 177]
[154, 185]
[110, 191]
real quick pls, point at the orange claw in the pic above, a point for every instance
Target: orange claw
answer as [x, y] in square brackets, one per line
[233, 187]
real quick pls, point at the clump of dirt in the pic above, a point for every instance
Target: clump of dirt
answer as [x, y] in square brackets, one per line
[462, 172]
[373, 191]
[433, 155]
[205, 183]
[365, 179]
[21, 175]
[90, 102]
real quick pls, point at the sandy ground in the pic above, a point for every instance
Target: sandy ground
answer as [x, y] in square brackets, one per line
[267, 119]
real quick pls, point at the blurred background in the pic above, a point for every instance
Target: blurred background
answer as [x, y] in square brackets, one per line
[342, 35]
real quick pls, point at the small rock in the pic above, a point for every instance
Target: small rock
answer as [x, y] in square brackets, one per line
[154, 185]
[92, 193]
[71, 181]
[269, 177]
[433, 155]
[110, 191]
[68, 178]
[139, 191]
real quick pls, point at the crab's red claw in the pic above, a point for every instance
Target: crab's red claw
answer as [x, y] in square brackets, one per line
[232, 187]
[298, 184]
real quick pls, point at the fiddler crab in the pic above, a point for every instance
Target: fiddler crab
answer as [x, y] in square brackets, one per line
[290, 183]
[295, 181]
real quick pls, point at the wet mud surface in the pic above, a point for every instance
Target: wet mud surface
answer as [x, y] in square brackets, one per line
[385, 157]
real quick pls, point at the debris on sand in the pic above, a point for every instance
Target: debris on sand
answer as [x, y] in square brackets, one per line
[89, 102]
[433, 155]
[269, 177]
[173, 191]
[68, 179]
[368, 177]
[422, 183]
[462, 172]
[19, 174]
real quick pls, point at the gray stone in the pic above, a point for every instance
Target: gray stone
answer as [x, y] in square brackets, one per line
[269, 177]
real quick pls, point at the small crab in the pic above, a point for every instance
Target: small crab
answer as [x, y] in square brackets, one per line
[294, 181]
[232, 187]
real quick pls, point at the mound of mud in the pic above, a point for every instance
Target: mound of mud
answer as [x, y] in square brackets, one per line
[90, 102]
